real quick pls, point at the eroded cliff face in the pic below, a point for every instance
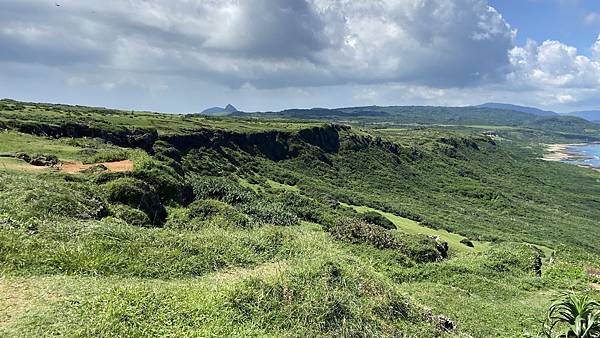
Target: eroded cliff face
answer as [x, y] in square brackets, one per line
[120, 136]
[275, 145]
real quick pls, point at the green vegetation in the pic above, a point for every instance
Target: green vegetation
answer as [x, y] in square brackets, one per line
[239, 227]
[566, 127]
[573, 316]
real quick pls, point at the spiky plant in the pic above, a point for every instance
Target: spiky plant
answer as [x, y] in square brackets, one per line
[573, 316]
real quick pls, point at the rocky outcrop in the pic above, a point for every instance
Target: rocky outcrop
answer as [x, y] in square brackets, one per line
[39, 160]
[326, 138]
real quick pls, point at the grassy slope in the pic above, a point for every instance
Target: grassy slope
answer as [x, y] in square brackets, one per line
[65, 273]
[412, 227]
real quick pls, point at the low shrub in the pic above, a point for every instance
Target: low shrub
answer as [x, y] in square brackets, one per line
[39, 160]
[130, 215]
[95, 169]
[515, 257]
[105, 155]
[136, 194]
[376, 218]
[167, 182]
[220, 188]
[419, 247]
[111, 247]
[265, 212]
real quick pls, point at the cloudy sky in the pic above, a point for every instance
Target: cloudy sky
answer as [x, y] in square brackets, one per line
[186, 55]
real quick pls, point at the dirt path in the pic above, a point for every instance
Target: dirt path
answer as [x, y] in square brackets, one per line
[75, 167]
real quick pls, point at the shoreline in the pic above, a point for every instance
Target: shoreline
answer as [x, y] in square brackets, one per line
[560, 153]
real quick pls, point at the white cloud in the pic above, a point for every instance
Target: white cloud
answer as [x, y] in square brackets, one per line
[553, 65]
[555, 74]
[269, 43]
[378, 51]
[596, 49]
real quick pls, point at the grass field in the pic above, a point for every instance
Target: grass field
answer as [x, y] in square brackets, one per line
[234, 227]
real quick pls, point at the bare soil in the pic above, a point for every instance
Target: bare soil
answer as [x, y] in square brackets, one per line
[75, 167]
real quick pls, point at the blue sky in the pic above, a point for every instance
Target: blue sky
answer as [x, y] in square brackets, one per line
[184, 56]
[569, 21]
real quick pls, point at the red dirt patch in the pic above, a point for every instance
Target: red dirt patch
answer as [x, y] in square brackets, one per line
[75, 167]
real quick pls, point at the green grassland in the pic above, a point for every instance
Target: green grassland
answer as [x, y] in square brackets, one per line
[412, 227]
[16, 113]
[255, 227]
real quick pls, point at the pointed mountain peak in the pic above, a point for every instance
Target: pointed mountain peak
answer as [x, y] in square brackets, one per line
[230, 108]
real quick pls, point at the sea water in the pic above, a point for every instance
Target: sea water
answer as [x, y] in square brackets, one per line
[590, 154]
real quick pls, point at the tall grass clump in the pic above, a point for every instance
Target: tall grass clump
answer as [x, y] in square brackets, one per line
[42, 197]
[220, 188]
[110, 247]
[332, 297]
[207, 213]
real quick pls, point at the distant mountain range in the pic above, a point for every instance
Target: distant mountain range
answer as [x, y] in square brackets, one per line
[490, 114]
[529, 110]
[218, 111]
[590, 115]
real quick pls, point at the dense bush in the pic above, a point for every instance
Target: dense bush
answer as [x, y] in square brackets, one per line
[220, 188]
[163, 149]
[112, 155]
[167, 182]
[265, 212]
[206, 213]
[376, 218]
[467, 242]
[209, 162]
[304, 207]
[221, 214]
[130, 215]
[355, 231]
[517, 257]
[169, 156]
[136, 194]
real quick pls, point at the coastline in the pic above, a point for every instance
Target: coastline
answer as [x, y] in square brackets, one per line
[560, 152]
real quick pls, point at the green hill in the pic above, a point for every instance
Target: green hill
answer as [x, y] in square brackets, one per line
[481, 116]
[259, 227]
